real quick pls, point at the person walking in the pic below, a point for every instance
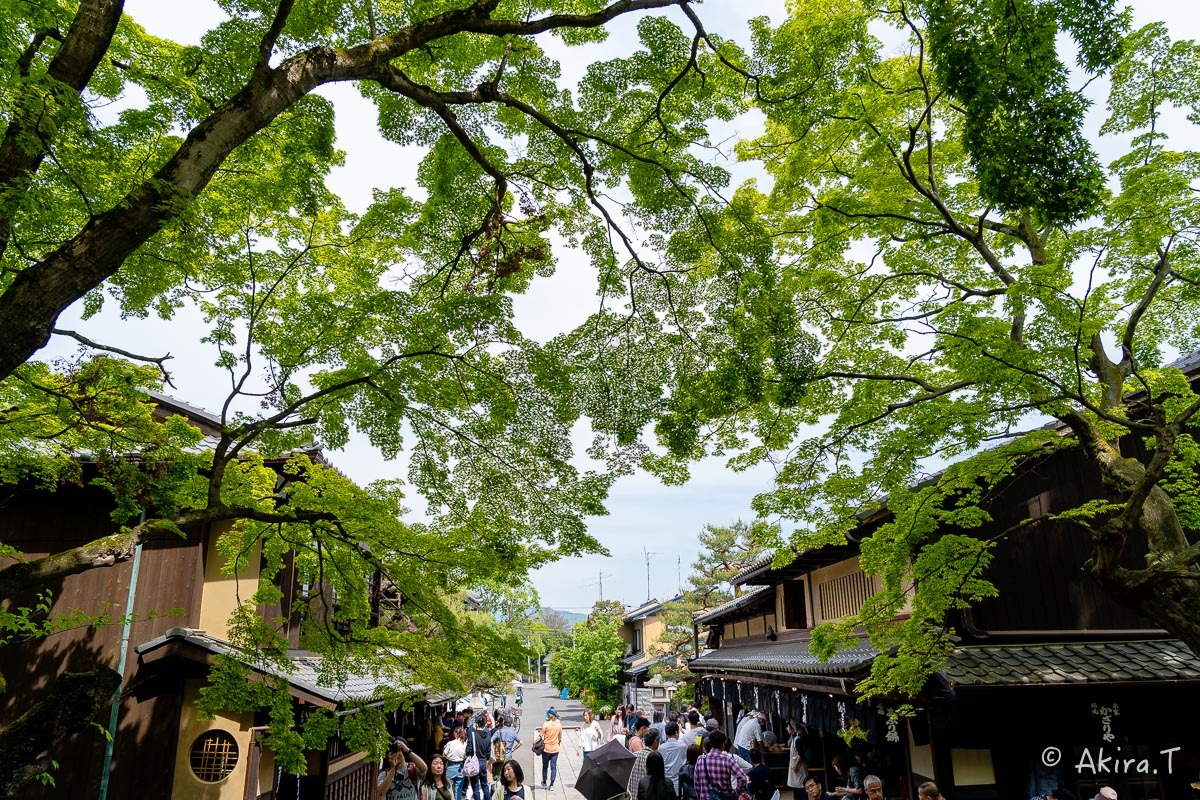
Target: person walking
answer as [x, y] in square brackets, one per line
[455, 752]
[550, 735]
[674, 753]
[618, 727]
[479, 747]
[590, 735]
[505, 742]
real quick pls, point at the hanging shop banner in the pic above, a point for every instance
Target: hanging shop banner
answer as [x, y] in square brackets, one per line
[829, 712]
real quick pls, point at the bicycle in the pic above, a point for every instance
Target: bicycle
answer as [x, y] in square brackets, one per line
[516, 719]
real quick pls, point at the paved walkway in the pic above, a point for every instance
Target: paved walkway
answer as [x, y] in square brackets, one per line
[538, 698]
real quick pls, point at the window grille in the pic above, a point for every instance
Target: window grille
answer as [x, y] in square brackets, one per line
[214, 755]
[845, 595]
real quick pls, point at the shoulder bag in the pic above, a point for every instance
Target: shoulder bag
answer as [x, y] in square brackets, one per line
[471, 762]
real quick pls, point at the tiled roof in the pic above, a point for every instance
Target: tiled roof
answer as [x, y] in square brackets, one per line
[1074, 663]
[1051, 664]
[647, 608]
[754, 566]
[307, 671]
[1187, 363]
[741, 601]
[644, 667]
[790, 658]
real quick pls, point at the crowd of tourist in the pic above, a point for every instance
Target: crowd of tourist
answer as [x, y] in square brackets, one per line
[677, 756]
[472, 758]
[687, 756]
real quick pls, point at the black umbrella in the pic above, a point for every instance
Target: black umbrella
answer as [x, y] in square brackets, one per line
[605, 772]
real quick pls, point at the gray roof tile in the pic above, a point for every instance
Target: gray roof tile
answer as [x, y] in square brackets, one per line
[307, 671]
[792, 658]
[1056, 664]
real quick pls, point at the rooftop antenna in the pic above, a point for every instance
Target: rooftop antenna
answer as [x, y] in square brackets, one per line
[600, 576]
[647, 555]
[679, 574]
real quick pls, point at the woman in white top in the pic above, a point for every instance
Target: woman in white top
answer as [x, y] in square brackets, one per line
[455, 751]
[590, 735]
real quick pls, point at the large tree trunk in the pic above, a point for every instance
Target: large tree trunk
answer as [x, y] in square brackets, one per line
[1167, 589]
[69, 707]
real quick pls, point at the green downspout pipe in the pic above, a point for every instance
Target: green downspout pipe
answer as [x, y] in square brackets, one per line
[111, 738]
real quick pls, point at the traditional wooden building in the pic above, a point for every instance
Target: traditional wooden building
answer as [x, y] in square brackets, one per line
[177, 600]
[1052, 683]
[640, 629]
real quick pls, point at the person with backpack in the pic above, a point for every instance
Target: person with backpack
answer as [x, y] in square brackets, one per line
[505, 742]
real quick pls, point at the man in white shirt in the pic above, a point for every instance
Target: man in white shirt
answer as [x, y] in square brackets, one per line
[749, 734]
[674, 753]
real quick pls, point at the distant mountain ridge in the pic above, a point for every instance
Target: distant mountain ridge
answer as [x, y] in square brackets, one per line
[570, 616]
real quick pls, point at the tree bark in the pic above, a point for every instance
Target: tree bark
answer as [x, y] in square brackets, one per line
[109, 550]
[103, 552]
[1165, 590]
[72, 702]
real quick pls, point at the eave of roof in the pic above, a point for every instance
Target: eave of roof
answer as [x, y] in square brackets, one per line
[762, 573]
[1072, 663]
[647, 608]
[304, 681]
[785, 658]
[738, 603]
[644, 667]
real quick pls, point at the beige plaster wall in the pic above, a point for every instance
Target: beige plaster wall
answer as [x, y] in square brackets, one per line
[652, 629]
[186, 785]
[972, 767]
[223, 591]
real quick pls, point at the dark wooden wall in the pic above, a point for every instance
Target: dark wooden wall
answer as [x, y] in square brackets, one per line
[1039, 571]
[168, 595]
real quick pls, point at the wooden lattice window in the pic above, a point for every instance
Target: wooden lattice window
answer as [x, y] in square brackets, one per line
[214, 755]
[845, 595]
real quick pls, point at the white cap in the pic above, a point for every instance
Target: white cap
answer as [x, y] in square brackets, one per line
[1107, 793]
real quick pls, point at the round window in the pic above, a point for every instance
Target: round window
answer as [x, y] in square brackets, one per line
[214, 755]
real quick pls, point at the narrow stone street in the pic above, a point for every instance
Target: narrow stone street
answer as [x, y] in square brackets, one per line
[539, 697]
